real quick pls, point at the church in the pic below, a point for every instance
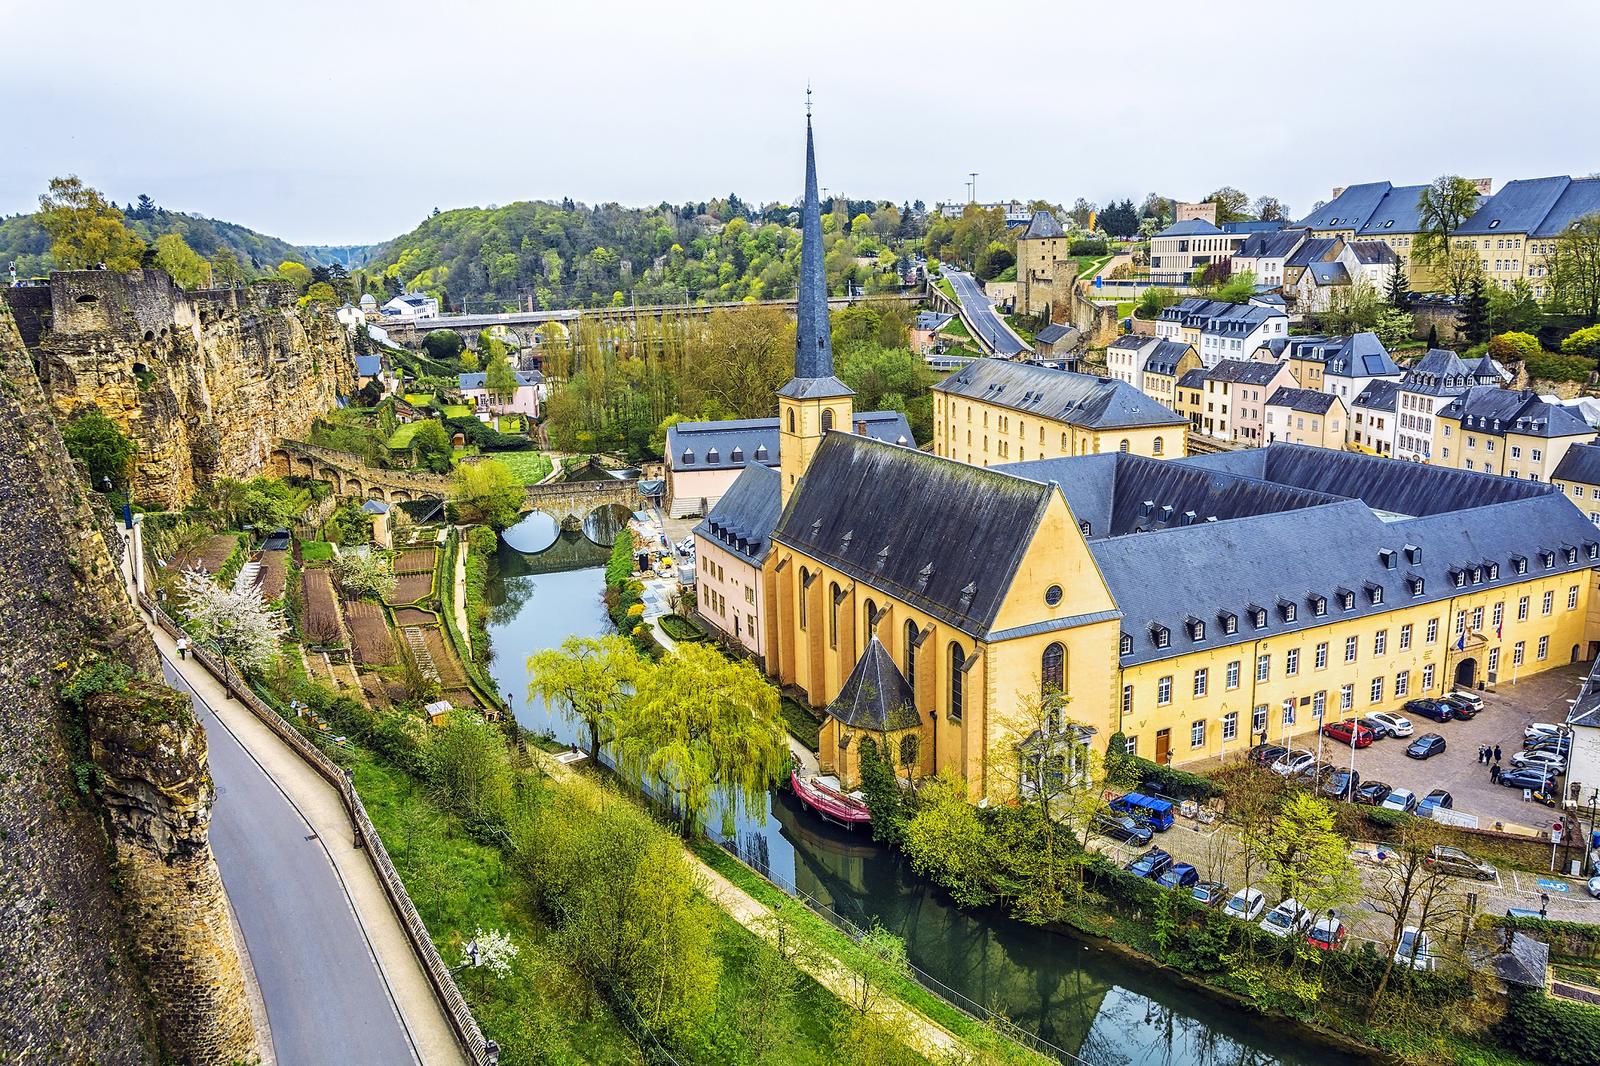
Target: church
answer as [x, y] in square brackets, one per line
[954, 612]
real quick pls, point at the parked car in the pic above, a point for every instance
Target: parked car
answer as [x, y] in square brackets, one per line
[1266, 754]
[1179, 875]
[1151, 864]
[1373, 793]
[1455, 861]
[1431, 709]
[1246, 904]
[1349, 732]
[1209, 893]
[1286, 919]
[1530, 777]
[1548, 761]
[1151, 811]
[1433, 801]
[1536, 730]
[1329, 934]
[1341, 783]
[1380, 729]
[1561, 745]
[1400, 799]
[1122, 827]
[1461, 706]
[1415, 950]
[1398, 725]
[1594, 886]
[1426, 746]
[1292, 762]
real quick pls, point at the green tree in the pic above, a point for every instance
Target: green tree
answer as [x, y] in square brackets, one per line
[84, 230]
[431, 445]
[883, 378]
[1474, 322]
[1396, 289]
[100, 445]
[1305, 855]
[1351, 309]
[708, 729]
[487, 491]
[361, 576]
[589, 680]
[225, 268]
[736, 361]
[499, 379]
[946, 841]
[1573, 269]
[1515, 309]
[1237, 289]
[1584, 341]
[1459, 267]
[468, 766]
[319, 292]
[296, 274]
[1441, 209]
[186, 266]
[1232, 205]
[882, 788]
[443, 344]
[1510, 346]
[1394, 326]
[1153, 301]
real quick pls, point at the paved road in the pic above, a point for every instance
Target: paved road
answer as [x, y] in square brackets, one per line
[326, 999]
[979, 313]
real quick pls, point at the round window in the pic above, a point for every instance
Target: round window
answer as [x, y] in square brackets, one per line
[1052, 595]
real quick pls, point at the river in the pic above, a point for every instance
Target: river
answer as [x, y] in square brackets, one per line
[1095, 1003]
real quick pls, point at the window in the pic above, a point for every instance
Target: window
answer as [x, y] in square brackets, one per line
[1319, 605]
[1288, 712]
[1347, 600]
[1230, 623]
[1380, 642]
[1427, 678]
[1402, 683]
[1161, 636]
[1230, 726]
[1288, 611]
[1477, 619]
[1322, 656]
[1499, 614]
[1232, 675]
[833, 614]
[1516, 653]
[911, 654]
[1377, 690]
[1347, 697]
[1494, 662]
[1263, 667]
[1155, 448]
[1350, 649]
[1132, 746]
[1319, 704]
[1549, 602]
[1544, 647]
[791, 418]
[958, 678]
[1164, 691]
[1053, 673]
[1405, 637]
[1572, 598]
[1522, 609]
[1126, 645]
[1291, 662]
[1127, 700]
[1197, 734]
[1052, 595]
[1461, 622]
[805, 583]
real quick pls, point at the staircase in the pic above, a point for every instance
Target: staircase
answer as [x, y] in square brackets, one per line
[419, 651]
[249, 577]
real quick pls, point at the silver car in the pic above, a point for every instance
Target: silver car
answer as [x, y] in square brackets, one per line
[1398, 725]
[1455, 861]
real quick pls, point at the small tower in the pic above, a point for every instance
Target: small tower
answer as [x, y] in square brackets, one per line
[813, 401]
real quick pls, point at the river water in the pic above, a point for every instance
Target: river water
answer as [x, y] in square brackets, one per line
[1094, 1003]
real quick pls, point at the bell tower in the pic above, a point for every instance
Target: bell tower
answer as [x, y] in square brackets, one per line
[813, 401]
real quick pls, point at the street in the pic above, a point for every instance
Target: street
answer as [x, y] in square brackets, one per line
[980, 313]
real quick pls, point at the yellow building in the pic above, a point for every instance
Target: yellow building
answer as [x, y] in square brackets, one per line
[992, 411]
[1504, 431]
[1305, 416]
[1038, 248]
[1578, 475]
[1162, 371]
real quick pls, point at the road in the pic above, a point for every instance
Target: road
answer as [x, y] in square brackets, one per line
[992, 332]
[326, 999]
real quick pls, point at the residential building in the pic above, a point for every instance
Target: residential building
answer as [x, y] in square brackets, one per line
[1523, 213]
[925, 327]
[1038, 248]
[1372, 418]
[368, 367]
[994, 411]
[412, 305]
[1221, 330]
[1428, 385]
[1264, 254]
[1583, 722]
[1341, 366]
[1183, 247]
[1150, 364]
[1578, 475]
[1504, 431]
[523, 400]
[1305, 416]
[1357, 263]
[350, 316]
[1058, 344]
[1309, 251]
[1234, 398]
[731, 544]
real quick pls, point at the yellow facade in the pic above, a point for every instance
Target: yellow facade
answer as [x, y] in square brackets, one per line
[985, 434]
[801, 424]
[1511, 454]
[1036, 271]
[1163, 387]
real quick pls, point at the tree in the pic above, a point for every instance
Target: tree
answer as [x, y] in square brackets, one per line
[364, 574]
[1474, 322]
[487, 491]
[1414, 893]
[84, 230]
[319, 292]
[431, 445]
[225, 268]
[590, 680]
[1441, 209]
[736, 361]
[1271, 209]
[296, 274]
[882, 959]
[1236, 288]
[443, 344]
[1153, 301]
[944, 838]
[1394, 326]
[1396, 289]
[1515, 309]
[1351, 309]
[186, 266]
[1232, 205]
[145, 209]
[468, 767]
[237, 622]
[1573, 269]
[707, 729]
[1584, 341]
[1506, 347]
[499, 379]
[1459, 267]
[1305, 855]
[100, 445]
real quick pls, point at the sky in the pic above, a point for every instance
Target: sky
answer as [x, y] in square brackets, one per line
[346, 122]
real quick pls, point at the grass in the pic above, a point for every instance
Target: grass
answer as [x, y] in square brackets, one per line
[530, 467]
[401, 437]
[956, 328]
[456, 410]
[421, 399]
[944, 286]
[801, 723]
[1089, 265]
[315, 551]
[1014, 321]
[680, 628]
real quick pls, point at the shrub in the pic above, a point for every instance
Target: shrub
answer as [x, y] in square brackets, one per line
[1551, 1031]
[1584, 341]
[443, 344]
[1514, 346]
[1087, 247]
[1169, 782]
[676, 626]
[100, 445]
[1544, 366]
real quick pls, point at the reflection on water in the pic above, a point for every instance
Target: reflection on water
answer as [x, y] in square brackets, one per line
[1092, 1002]
[536, 532]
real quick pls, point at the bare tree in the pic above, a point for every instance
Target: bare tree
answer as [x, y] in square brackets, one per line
[1415, 894]
[1441, 209]
[1573, 269]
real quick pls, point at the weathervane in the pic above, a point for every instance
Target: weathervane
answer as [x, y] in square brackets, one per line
[808, 99]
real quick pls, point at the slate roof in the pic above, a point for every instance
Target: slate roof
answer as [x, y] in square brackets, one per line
[932, 320]
[1580, 464]
[1193, 227]
[1332, 273]
[941, 535]
[1309, 401]
[737, 441]
[476, 381]
[876, 695]
[367, 366]
[1379, 395]
[813, 340]
[1519, 207]
[1372, 252]
[1395, 213]
[1495, 411]
[1581, 198]
[1360, 355]
[1060, 395]
[1043, 225]
[1193, 379]
[1525, 961]
[1252, 226]
[1243, 372]
[1444, 373]
[1219, 316]
[1164, 358]
[1586, 709]
[1271, 245]
[1312, 250]
[742, 519]
[1350, 209]
[1054, 332]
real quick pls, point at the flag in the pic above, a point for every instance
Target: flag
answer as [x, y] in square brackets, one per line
[1461, 642]
[1497, 631]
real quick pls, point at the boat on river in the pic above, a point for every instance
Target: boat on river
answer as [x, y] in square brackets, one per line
[822, 793]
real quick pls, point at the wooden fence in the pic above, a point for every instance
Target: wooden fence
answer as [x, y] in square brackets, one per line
[479, 1051]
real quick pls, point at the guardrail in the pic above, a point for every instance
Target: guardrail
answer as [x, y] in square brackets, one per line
[479, 1050]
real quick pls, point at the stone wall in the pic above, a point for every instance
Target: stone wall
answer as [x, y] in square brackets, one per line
[78, 904]
[204, 381]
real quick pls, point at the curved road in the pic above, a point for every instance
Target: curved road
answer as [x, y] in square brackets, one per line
[326, 999]
[979, 313]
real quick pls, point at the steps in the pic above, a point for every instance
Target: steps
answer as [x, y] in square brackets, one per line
[249, 577]
[418, 645]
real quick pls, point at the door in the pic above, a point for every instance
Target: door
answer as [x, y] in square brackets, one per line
[1466, 673]
[1164, 746]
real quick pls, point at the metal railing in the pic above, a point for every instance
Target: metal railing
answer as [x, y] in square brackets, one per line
[479, 1051]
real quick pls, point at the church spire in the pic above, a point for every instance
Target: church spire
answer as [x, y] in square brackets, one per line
[813, 345]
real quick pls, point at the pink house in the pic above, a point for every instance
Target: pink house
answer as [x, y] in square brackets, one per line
[523, 401]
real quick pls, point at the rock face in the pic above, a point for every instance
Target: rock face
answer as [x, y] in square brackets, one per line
[103, 856]
[204, 381]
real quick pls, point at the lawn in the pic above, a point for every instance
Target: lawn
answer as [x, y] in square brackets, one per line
[420, 399]
[401, 437]
[529, 467]
[955, 328]
[315, 551]
[456, 410]
[801, 723]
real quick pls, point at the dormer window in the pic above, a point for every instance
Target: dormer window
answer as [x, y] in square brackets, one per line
[1547, 558]
[1374, 592]
[1126, 645]
[761, 453]
[1319, 605]
[1491, 571]
[1230, 622]
[1084, 527]
[1416, 583]
[1519, 564]
[1458, 576]
[1569, 553]
[1197, 629]
[1347, 599]
[1258, 616]
[1159, 634]
[1592, 550]
[737, 455]
[1387, 557]
[688, 457]
[1286, 610]
[1477, 574]
[713, 456]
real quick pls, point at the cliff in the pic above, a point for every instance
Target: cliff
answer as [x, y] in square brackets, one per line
[113, 928]
[205, 382]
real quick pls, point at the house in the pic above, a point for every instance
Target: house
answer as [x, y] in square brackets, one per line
[1506, 431]
[1038, 248]
[731, 544]
[925, 327]
[1058, 343]
[382, 519]
[412, 305]
[1184, 247]
[1357, 263]
[1583, 763]
[1372, 418]
[1150, 364]
[1235, 394]
[995, 411]
[1221, 330]
[368, 367]
[1526, 211]
[1264, 254]
[1342, 366]
[1428, 385]
[1305, 416]
[1311, 250]
[524, 399]
[1578, 475]
[350, 316]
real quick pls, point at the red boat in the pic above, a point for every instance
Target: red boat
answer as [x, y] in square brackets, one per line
[822, 795]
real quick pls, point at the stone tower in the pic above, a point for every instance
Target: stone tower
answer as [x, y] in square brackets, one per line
[813, 401]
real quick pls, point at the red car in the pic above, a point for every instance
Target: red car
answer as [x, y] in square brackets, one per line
[1343, 731]
[1328, 935]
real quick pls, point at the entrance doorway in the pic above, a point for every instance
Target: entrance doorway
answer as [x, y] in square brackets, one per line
[1466, 673]
[1164, 747]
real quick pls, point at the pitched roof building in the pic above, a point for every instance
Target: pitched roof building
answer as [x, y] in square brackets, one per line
[1504, 431]
[1306, 416]
[1428, 385]
[1221, 330]
[1039, 248]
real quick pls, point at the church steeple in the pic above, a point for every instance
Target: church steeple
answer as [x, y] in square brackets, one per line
[813, 401]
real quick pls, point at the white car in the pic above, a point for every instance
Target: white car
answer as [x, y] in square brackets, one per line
[1291, 763]
[1548, 761]
[1287, 919]
[1415, 950]
[1398, 725]
[1470, 699]
[1245, 904]
[1401, 799]
[1539, 730]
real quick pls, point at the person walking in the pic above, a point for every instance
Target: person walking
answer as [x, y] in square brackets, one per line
[1497, 753]
[183, 648]
[1494, 773]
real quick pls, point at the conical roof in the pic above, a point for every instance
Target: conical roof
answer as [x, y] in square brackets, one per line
[813, 339]
[876, 696]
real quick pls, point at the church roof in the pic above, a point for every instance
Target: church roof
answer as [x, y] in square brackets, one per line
[813, 340]
[876, 695]
[1058, 395]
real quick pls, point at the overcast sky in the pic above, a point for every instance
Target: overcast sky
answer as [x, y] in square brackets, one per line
[340, 122]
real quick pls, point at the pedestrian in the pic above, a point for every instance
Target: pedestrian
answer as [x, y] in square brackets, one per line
[183, 648]
[1494, 773]
[1497, 753]
[1482, 751]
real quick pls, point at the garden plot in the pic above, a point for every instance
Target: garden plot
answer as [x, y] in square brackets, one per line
[321, 623]
[414, 561]
[369, 633]
[408, 588]
[274, 574]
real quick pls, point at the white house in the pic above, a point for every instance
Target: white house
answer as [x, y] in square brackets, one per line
[1372, 417]
[412, 305]
[524, 400]
[351, 316]
[1358, 263]
[1263, 255]
[1221, 330]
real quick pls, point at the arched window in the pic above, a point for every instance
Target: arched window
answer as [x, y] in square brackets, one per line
[872, 609]
[1053, 683]
[827, 419]
[911, 654]
[1123, 447]
[833, 614]
[958, 679]
[908, 750]
[805, 581]
[791, 420]
[1155, 449]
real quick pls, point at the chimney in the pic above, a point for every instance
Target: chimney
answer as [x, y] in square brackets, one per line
[861, 428]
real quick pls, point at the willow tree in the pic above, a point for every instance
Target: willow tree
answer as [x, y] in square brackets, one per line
[588, 680]
[706, 729]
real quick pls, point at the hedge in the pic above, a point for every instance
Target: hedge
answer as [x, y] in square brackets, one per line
[680, 628]
[1553, 1031]
[1168, 782]
[1086, 247]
